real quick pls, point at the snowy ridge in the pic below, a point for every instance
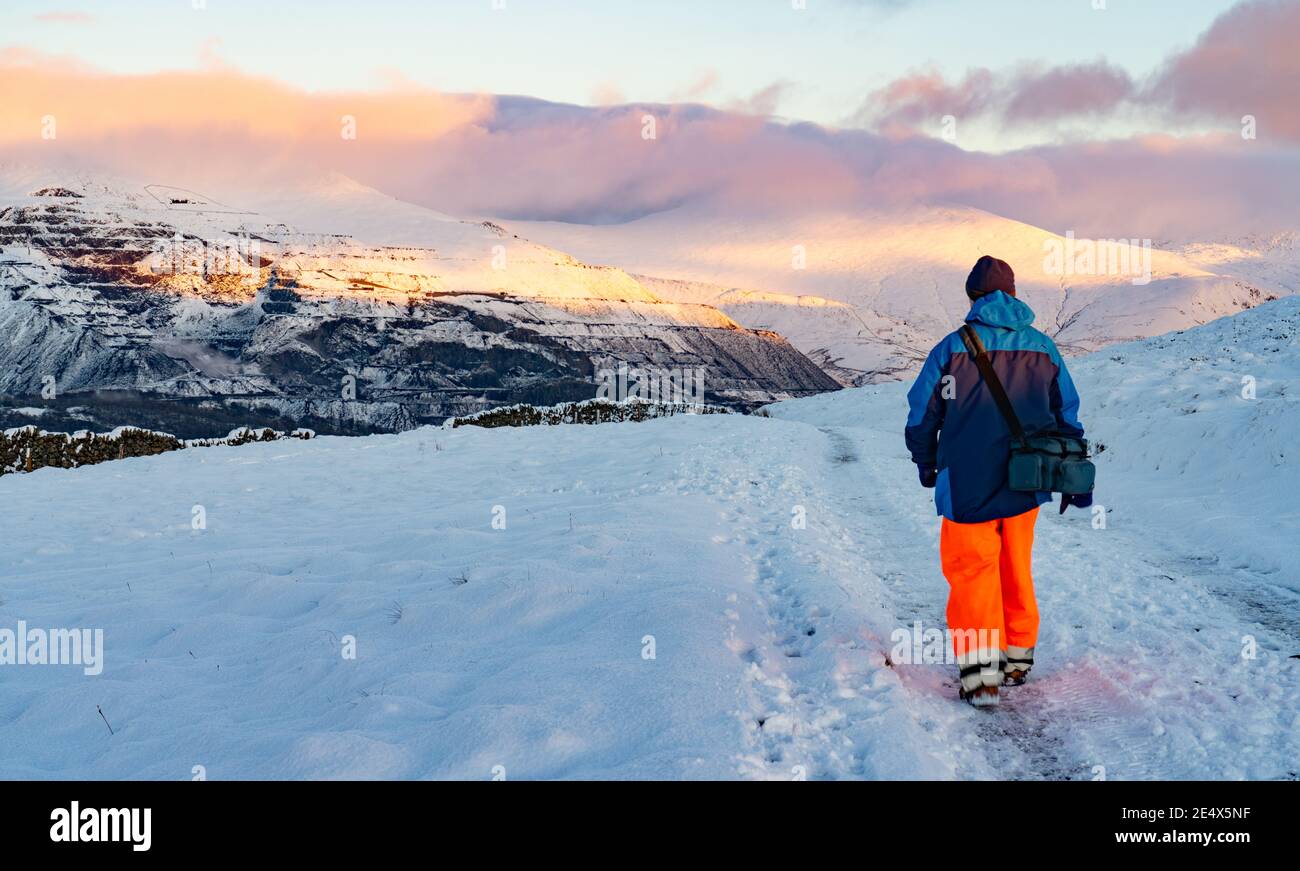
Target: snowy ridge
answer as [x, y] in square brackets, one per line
[901, 275]
[180, 296]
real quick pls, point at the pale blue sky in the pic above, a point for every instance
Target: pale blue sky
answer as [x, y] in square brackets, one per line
[830, 55]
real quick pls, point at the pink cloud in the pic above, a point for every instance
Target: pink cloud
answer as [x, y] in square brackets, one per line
[1213, 187]
[706, 82]
[1084, 89]
[922, 98]
[90, 106]
[1027, 94]
[477, 155]
[1244, 64]
[1247, 63]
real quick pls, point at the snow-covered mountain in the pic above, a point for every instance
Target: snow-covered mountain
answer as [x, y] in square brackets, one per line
[647, 608]
[866, 295]
[1267, 261]
[328, 305]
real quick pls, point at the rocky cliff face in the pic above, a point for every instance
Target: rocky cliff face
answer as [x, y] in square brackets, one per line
[155, 306]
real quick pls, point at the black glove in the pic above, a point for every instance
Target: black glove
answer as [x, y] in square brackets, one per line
[1080, 500]
[927, 474]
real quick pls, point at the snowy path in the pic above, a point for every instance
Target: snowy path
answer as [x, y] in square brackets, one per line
[1028, 736]
[1139, 673]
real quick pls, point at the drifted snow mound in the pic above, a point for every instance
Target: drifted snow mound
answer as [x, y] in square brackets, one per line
[1205, 421]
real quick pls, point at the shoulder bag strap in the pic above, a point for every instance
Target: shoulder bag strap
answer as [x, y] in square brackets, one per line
[976, 348]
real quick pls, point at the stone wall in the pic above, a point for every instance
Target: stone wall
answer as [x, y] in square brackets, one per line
[29, 448]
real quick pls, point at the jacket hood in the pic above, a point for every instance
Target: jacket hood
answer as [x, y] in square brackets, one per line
[999, 310]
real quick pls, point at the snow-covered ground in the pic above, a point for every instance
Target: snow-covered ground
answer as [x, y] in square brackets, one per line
[652, 606]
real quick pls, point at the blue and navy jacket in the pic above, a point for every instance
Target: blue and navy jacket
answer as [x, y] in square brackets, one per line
[954, 424]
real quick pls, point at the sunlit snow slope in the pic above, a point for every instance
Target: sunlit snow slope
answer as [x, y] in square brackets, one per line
[867, 294]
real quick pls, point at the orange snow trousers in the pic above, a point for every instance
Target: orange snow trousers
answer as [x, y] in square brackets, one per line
[991, 602]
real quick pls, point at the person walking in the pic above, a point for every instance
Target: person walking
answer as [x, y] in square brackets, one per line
[959, 440]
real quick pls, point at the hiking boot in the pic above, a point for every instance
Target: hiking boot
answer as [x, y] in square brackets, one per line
[979, 676]
[1019, 661]
[982, 696]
